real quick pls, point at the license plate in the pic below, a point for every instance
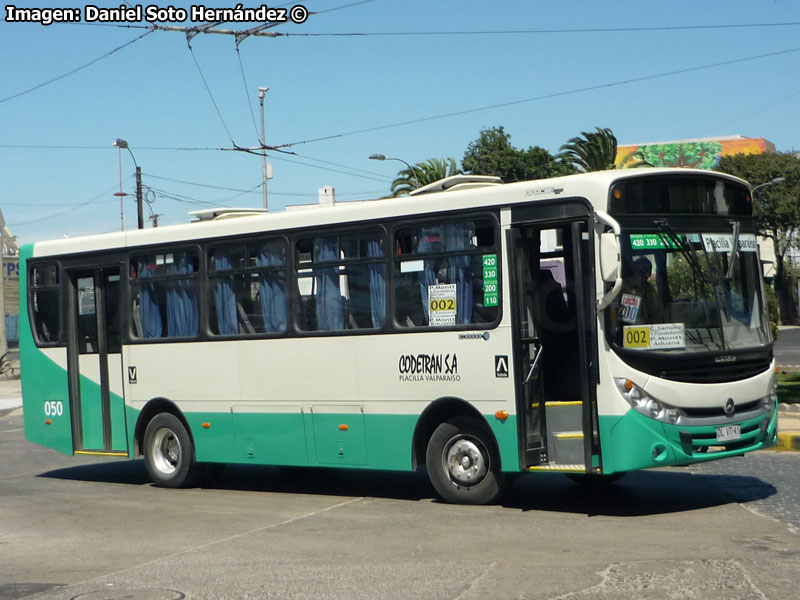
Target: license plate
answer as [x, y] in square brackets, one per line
[729, 433]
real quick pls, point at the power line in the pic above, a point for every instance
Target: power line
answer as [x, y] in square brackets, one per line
[72, 207]
[181, 198]
[749, 114]
[542, 97]
[456, 33]
[208, 89]
[322, 12]
[327, 162]
[106, 147]
[538, 31]
[202, 185]
[246, 94]
[75, 70]
[382, 179]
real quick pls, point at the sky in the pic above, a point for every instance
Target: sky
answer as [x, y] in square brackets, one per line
[422, 83]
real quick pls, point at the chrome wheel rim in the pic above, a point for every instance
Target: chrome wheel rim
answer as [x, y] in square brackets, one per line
[166, 451]
[465, 460]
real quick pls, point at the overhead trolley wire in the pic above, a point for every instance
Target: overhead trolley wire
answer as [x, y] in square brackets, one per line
[459, 33]
[541, 97]
[71, 207]
[208, 89]
[537, 31]
[75, 70]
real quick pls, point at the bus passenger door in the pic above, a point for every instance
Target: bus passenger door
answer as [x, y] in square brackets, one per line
[95, 362]
[529, 351]
[553, 322]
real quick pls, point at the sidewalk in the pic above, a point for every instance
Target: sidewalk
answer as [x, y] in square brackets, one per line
[10, 395]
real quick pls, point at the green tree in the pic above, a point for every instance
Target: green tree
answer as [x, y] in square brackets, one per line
[777, 211]
[595, 151]
[697, 155]
[493, 154]
[425, 172]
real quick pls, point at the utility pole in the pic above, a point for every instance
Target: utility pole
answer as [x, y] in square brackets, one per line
[139, 196]
[262, 91]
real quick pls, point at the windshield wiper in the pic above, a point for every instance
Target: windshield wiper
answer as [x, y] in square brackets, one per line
[734, 249]
[668, 233]
[665, 231]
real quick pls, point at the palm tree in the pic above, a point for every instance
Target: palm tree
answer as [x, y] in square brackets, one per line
[425, 172]
[595, 151]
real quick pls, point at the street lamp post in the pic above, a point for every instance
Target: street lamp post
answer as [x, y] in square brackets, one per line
[122, 144]
[774, 181]
[410, 168]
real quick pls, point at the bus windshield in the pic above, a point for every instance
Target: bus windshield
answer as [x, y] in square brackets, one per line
[689, 292]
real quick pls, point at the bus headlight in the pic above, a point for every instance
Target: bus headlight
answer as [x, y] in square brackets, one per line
[645, 404]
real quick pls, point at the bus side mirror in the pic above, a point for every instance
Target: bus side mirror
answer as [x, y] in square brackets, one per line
[610, 261]
[609, 257]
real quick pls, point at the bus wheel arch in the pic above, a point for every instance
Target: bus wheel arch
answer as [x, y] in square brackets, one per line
[460, 452]
[150, 410]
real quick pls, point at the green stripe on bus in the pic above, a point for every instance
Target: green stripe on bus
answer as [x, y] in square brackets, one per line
[307, 439]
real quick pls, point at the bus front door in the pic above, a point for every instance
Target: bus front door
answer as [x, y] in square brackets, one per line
[553, 318]
[95, 362]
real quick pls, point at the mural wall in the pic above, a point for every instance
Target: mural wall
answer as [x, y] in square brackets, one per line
[696, 154]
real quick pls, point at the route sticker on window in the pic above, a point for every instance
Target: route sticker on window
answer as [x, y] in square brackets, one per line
[723, 242]
[490, 297]
[442, 304]
[663, 336]
[629, 308]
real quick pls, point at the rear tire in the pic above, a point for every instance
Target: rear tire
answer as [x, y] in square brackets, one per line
[169, 452]
[462, 464]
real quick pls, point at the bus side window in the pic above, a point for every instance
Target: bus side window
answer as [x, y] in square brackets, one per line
[46, 303]
[341, 282]
[164, 290]
[247, 293]
[446, 274]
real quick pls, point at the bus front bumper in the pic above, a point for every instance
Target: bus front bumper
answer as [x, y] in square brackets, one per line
[633, 441]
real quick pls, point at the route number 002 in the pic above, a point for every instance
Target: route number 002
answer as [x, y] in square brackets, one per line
[445, 304]
[53, 408]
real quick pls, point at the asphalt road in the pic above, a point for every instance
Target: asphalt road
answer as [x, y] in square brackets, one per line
[78, 527]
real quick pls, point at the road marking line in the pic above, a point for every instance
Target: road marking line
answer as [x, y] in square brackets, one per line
[213, 543]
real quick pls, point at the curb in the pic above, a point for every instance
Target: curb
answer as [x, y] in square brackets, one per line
[788, 441]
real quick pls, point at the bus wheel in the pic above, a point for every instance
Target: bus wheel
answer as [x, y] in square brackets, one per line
[169, 452]
[461, 466]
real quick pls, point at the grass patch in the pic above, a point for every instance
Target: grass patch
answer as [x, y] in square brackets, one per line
[789, 387]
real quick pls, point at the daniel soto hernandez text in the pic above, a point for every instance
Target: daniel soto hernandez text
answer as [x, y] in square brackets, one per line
[153, 13]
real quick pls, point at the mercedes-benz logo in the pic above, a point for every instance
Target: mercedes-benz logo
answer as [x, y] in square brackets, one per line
[729, 406]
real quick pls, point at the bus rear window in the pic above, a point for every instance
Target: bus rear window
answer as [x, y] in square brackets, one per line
[680, 195]
[45, 304]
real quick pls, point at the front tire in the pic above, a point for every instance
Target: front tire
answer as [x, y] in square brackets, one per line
[462, 464]
[169, 452]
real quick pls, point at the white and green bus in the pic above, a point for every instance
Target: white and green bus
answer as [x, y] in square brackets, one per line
[592, 324]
